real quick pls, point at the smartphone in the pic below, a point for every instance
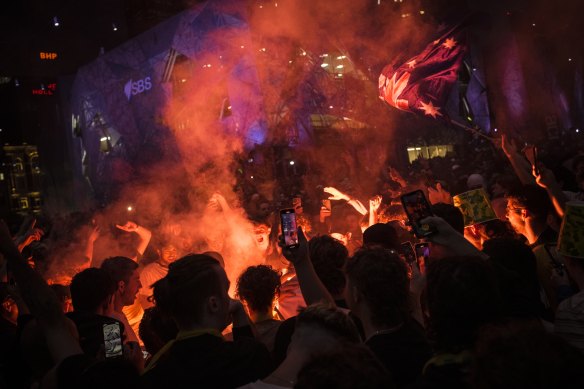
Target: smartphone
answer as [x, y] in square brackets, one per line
[289, 227]
[407, 250]
[417, 208]
[112, 340]
[530, 152]
[422, 250]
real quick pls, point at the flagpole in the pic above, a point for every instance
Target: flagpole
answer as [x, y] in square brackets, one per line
[472, 130]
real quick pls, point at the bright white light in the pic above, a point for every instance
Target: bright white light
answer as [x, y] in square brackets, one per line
[324, 65]
[339, 75]
[290, 61]
[533, 24]
[323, 55]
[103, 138]
[56, 21]
[183, 80]
[251, 177]
[422, 12]
[130, 208]
[340, 66]
[496, 130]
[242, 46]
[331, 107]
[114, 27]
[577, 130]
[341, 57]
[570, 59]
[291, 162]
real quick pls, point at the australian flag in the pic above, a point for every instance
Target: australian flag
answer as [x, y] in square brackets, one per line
[422, 84]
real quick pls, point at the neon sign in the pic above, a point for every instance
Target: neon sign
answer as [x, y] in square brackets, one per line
[48, 91]
[48, 55]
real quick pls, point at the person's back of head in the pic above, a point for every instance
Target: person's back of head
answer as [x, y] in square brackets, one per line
[350, 367]
[475, 181]
[382, 235]
[188, 288]
[531, 198]
[156, 329]
[450, 214]
[321, 325]
[91, 290]
[524, 355]
[257, 287]
[379, 278]
[513, 255]
[328, 257]
[462, 294]
[119, 268]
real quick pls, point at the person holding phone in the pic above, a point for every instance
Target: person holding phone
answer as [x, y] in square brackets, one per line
[92, 292]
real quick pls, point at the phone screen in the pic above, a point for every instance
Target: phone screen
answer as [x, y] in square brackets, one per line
[407, 250]
[289, 228]
[112, 340]
[417, 208]
[422, 250]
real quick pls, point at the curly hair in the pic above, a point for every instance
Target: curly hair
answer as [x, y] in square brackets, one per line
[381, 277]
[257, 286]
[328, 257]
[533, 198]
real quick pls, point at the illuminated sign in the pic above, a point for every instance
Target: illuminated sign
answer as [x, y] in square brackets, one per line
[48, 55]
[133, 88]
[48, 91]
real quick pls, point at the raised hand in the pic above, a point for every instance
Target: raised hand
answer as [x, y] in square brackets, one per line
[439, 195]
[375, 203]
[94, 234]
[128, 227]
[545, 178]
[336, 194]
[298, 253]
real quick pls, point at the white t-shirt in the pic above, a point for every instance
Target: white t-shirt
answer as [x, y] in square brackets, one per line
[149, 275]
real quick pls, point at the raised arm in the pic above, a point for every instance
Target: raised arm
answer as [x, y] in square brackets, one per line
[374, 205]
[520, 165]
[30, 235]
[448, 237]
[142, 232]
[336, 194]
[88, 254]
[312, 288]
[547, 180]
[41, 300]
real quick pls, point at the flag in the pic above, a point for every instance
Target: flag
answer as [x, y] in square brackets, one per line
[421, 85]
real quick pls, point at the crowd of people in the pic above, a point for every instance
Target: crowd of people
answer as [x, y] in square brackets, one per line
[355, 304]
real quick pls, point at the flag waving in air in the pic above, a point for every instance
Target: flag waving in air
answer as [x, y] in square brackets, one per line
[421, 85]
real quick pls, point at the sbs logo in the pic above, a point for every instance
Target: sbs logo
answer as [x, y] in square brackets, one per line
[133, 88]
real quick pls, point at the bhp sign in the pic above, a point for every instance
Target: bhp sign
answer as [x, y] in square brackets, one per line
[133, 88]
